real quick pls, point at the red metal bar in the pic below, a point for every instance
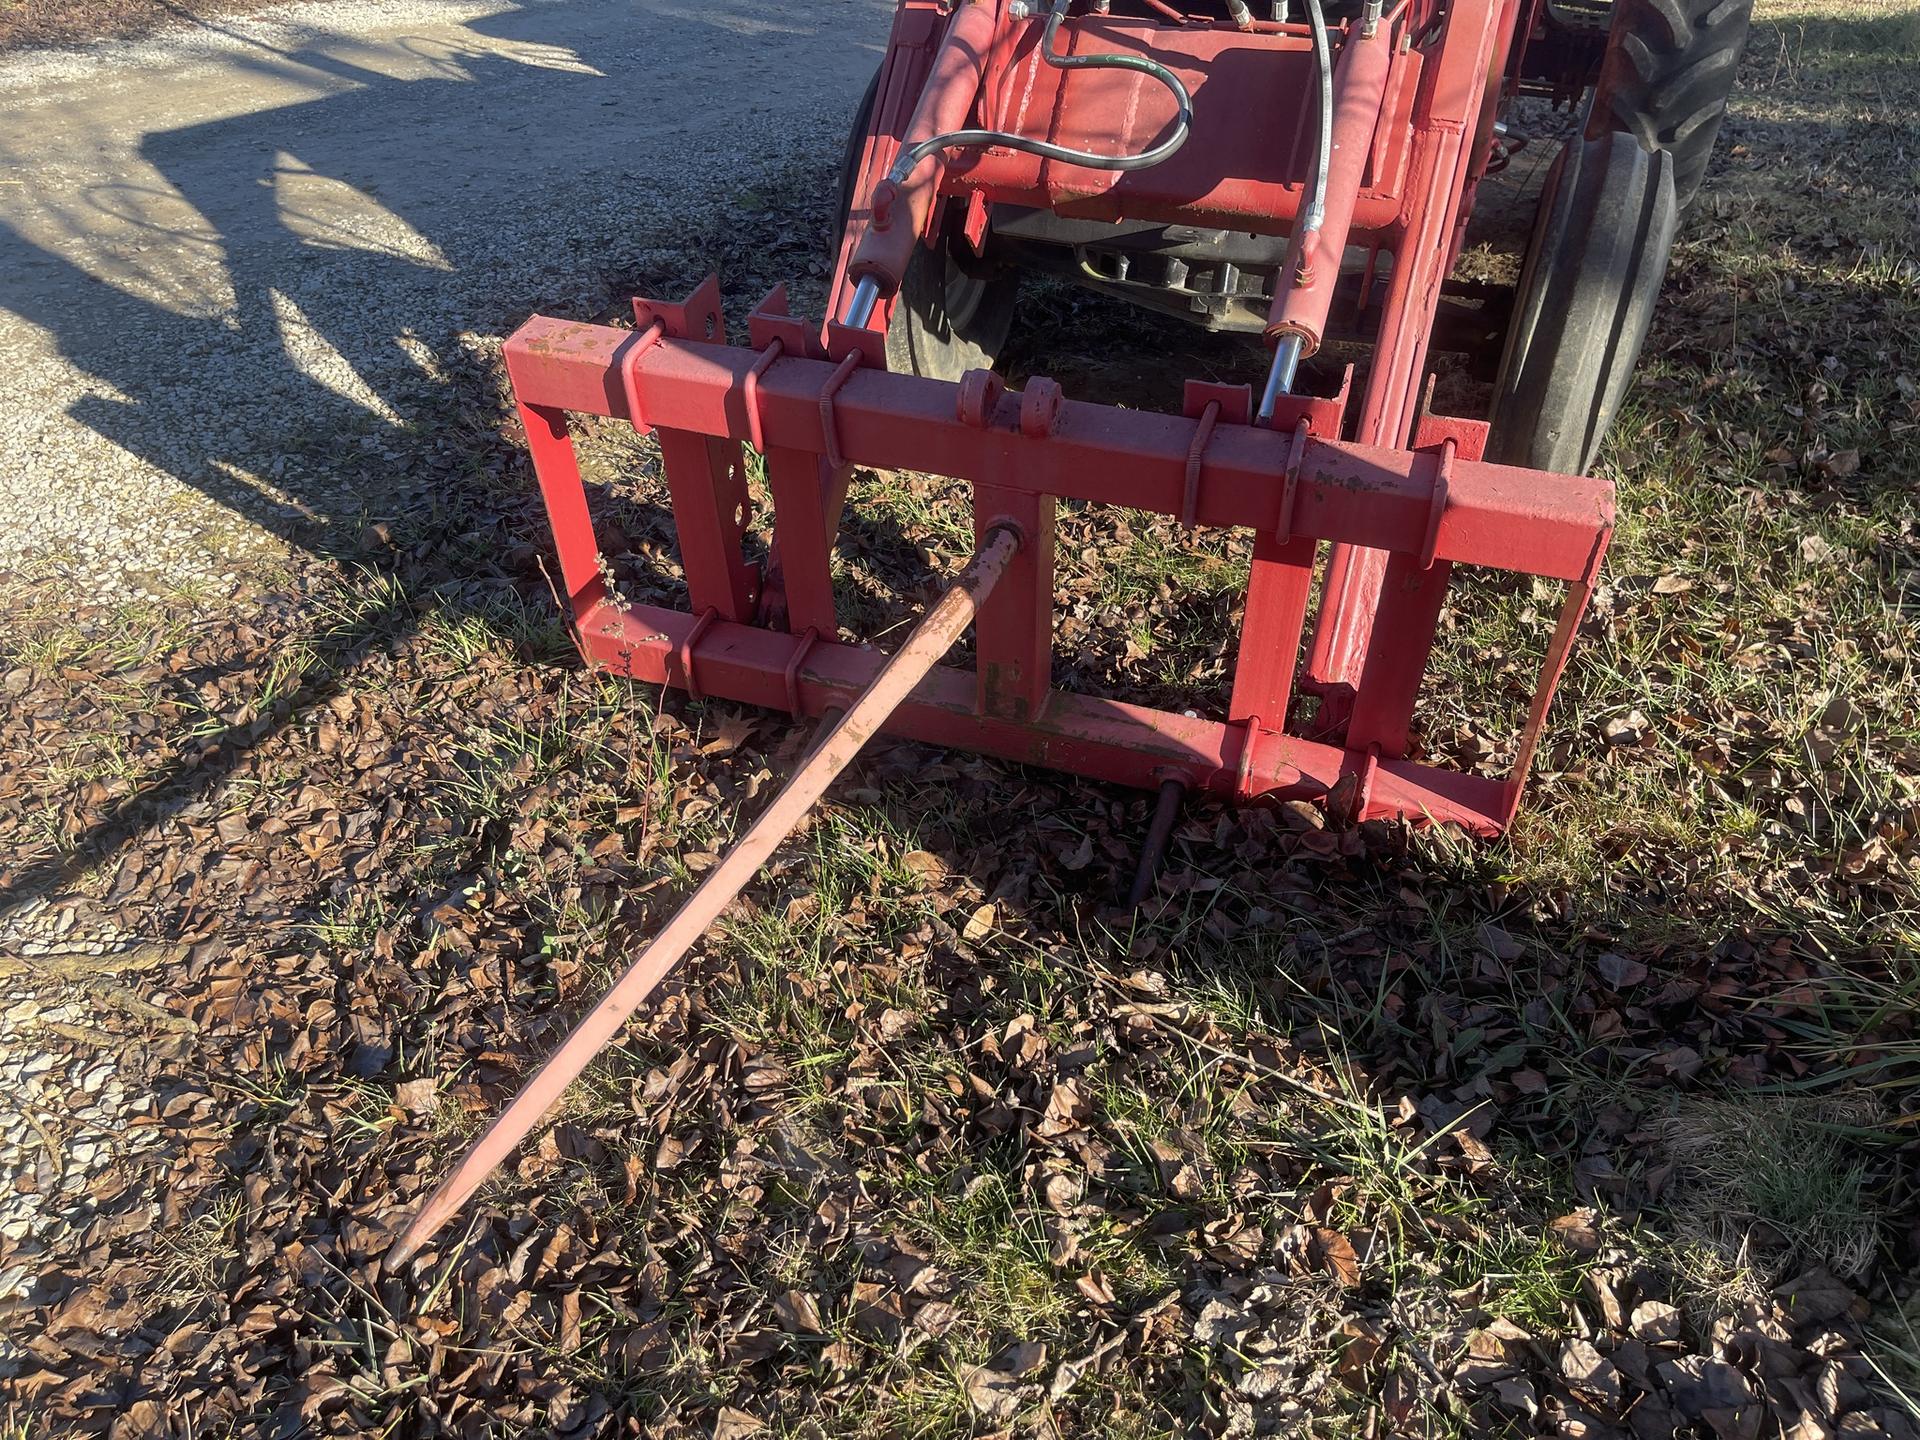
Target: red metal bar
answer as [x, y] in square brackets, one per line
[1568, 625]
[1013, 639]
[804, 532]
[551, 450]
[891, 682]
[1498, 516]
[1452, 91]
[1108, 740]
[1279, 587]
[1410, 600]
[1280, 577]
[708, 487]
[1293, 489]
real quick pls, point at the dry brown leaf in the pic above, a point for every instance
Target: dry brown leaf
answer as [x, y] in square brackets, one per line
[924, 863]
[799, 1313]
[980, 924]
[1579, 1231]
[1654, 1322]
[1337, 1253]
[1591, 1373]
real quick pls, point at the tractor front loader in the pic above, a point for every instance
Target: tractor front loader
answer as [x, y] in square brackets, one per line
[1302, 176]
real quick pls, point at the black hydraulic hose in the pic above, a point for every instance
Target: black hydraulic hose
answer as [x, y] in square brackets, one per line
[1183, 122]
[1323, 151]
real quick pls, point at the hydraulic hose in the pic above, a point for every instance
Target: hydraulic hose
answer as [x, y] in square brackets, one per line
[1289, 348]
[1183, 121]
[1316, 210]
[878, 269]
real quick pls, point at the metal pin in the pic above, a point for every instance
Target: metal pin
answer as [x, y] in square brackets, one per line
[1153, 853]
[1286, 360]
[860, 308]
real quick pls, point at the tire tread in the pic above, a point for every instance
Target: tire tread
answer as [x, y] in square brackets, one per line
[1669, 68]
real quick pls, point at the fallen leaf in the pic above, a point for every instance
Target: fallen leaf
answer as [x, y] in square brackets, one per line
[1815, 1295]
[799, 1313]
[1337, 1251]
[1591, 1373]
[980, 924]
[994, 1390]
[878, 1311]
[1528, 1082]
[1618, 971]
[1655, 1322]
[1626, 729]
[1578, 1231]
[925, 864]
[417, 1097]
[1499, 944]
[936, 1318]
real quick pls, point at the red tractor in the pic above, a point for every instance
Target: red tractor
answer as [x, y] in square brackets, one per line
[1307, 179]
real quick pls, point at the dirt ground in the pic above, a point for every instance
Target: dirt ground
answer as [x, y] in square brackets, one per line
[315, 836]
[77, 23]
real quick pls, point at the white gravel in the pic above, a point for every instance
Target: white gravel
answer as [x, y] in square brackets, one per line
[229, 250]
[76, 1107]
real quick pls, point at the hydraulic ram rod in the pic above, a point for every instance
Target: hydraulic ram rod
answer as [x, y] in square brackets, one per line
[931, 639]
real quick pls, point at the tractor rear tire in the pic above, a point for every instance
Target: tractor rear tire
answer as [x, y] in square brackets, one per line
[947, 319]
[1668, 70]
[1587, 292]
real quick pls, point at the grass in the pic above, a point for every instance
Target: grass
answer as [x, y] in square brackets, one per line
[1780, 1181]
[197, 1254]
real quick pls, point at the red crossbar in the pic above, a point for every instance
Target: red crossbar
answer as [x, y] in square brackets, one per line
[1295, 486]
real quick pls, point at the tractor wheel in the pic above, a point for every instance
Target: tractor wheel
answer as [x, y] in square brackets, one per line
[1587, 292]
[947, 320]
[1668, 70]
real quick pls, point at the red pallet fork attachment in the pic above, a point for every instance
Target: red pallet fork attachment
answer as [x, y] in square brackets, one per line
[814, 410]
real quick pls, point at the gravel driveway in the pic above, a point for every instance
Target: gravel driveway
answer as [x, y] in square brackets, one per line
[233, 248]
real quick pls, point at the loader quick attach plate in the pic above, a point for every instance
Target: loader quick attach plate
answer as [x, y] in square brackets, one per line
[815, 409]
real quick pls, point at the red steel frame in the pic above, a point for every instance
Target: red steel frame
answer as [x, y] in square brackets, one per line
[816, 401]
[814, 408]
[1426, 137]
